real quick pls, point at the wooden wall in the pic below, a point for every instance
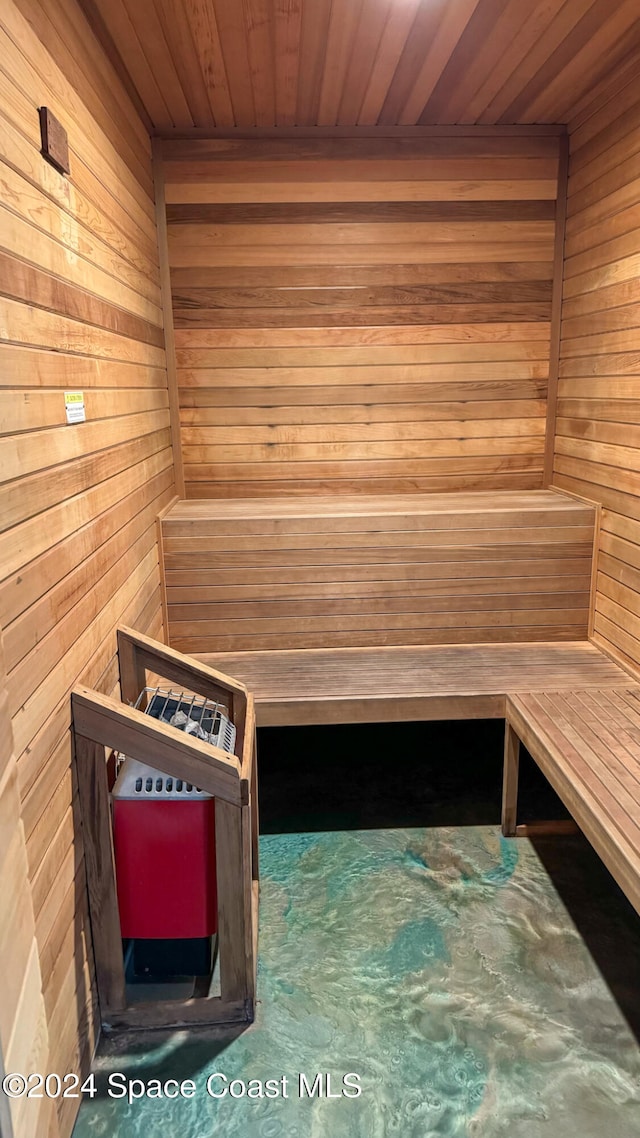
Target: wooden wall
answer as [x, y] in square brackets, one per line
[24, 1036]
[79, 309]
[597, 444]
[360, 315]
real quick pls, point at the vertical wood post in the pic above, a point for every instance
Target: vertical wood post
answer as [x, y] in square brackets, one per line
[93, 792]
[234, 913]
[253, 801]
[163, 578]
[510, 781]
[595, 560]
[133, 676]
[249, 964]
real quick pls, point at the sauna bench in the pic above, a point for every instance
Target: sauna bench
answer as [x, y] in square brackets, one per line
[367, 685]
[586, 741]
[576, 711]
[367, 571]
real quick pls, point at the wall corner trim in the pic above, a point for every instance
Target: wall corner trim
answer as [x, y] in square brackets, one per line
[556, 309]
[167, 311]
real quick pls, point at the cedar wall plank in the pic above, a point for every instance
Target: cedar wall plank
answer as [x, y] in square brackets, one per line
[597, 439]
[318, 281]
[24, 1036]
[79, 309]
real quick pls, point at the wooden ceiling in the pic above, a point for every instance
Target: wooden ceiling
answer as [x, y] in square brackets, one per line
[387, 63]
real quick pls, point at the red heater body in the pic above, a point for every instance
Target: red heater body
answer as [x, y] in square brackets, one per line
[165, 856]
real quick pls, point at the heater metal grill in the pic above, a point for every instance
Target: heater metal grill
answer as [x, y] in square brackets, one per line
[203, 718]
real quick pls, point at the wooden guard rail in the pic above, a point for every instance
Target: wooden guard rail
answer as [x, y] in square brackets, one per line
[100, 721]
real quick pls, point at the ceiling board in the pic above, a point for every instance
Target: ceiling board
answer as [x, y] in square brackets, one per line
[265, 64]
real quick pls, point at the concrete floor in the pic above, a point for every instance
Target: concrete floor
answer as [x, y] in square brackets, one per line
[479, 987]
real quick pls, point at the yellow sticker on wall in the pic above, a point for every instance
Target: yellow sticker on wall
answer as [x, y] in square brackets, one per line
[74, 406]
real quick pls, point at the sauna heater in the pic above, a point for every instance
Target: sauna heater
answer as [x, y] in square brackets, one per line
[164, 844]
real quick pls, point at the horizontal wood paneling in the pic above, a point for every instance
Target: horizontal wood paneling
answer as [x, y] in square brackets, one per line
[419, 569]
[597, 444]
[24, 1034]
[312, 323]
[331, 65]
[79, 309]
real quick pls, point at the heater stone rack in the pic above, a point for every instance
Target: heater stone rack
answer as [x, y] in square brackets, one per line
[138, 780]
[211, 717]
[101, 721]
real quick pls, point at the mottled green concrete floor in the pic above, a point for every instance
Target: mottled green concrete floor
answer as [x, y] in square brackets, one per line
[441, 966]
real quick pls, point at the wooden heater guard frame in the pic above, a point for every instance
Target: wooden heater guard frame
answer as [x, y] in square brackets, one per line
[100, 721]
